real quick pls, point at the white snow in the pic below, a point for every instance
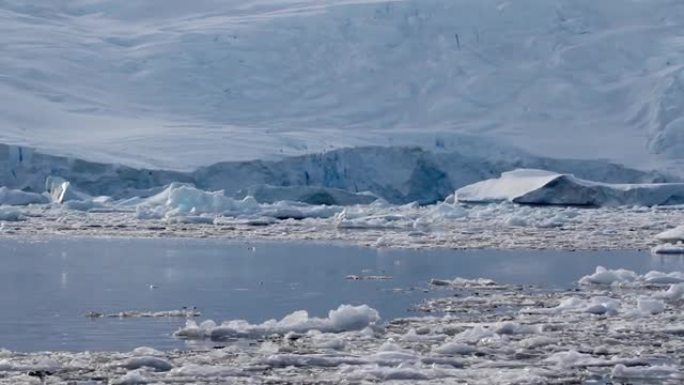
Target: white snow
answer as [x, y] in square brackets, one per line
[541, 187]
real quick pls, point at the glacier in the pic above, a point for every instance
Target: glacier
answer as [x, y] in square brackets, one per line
[177, 85]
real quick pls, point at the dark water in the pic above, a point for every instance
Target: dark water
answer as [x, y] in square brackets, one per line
[46, 287]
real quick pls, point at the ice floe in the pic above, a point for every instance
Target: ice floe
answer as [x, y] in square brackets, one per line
[603, 276]
[342, 319]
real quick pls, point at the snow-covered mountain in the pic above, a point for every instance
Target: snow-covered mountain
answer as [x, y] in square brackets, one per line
[179, 84]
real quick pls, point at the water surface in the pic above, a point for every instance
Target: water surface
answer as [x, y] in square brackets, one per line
[47, 287]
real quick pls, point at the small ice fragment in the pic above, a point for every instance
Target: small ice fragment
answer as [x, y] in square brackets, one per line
[455, 348]
[650, 306]
[157, 363]
[603, 276]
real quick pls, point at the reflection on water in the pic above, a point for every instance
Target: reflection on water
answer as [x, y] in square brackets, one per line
[46, 287]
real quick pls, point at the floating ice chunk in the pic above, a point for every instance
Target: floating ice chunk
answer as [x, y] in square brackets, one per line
[538, 341]
[61, 190]
[146, 351]
[193, 371]
[597, 305]
[475, 334]
[181, 313]
[456, 348]
[672, 235]
[327, 341]
[657, 277]
[134, 377]
[621, 371]
[603, 276]
[20, 198]
[312, 360]
[394, 374]
[529, 186]
[345, 318]
[157, 363]
[6, 366]
[673, 293]
[463, 282]
[11, 214]
[650, 306]
[511, 328]
[667, 248]
[573, 359]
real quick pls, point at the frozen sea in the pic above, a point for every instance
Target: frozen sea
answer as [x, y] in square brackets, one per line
[47, 287]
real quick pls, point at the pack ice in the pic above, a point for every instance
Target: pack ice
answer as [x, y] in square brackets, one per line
[540, 187]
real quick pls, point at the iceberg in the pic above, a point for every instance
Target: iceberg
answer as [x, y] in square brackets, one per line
[61, 191]
[541, 187]
[182, 199]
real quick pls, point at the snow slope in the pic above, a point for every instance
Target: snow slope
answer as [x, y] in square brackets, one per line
[176, 85]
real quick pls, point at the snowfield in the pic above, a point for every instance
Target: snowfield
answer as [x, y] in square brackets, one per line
[615, 327]
[178, 85]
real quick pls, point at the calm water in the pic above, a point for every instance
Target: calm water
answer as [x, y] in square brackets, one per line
[46, 287]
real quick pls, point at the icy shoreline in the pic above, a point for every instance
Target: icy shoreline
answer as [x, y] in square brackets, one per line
[616, 326]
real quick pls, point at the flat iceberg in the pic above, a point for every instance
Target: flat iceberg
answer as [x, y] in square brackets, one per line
[540, 187]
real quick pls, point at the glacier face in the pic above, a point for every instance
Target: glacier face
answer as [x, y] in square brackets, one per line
[396, 174]
[178, 85]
